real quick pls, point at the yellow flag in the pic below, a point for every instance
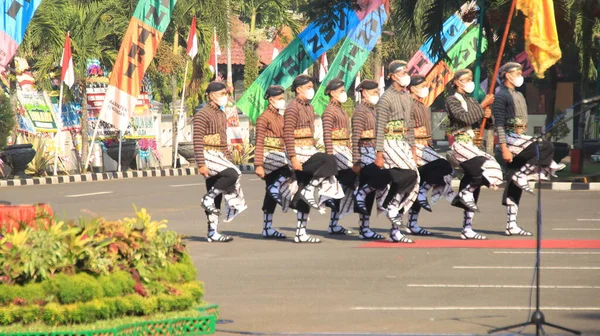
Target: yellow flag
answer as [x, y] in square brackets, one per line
[541, 37]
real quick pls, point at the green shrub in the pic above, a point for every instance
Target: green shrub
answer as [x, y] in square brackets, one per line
[31, 293]
[29, 314]
[137, 304]
[81, 287]
[7, 315]
[7, 294]
[149, 305]
[117, 284]
[123, 306]
[54, 314]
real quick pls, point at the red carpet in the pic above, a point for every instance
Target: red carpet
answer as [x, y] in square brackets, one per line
[496, 244]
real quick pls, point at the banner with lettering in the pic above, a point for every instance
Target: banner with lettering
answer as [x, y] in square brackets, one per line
[423, 61]
[352, 55]
[461, 56]
[38, 110]
[14, 19]
[146, 28]
[301, 53]
[437, 79]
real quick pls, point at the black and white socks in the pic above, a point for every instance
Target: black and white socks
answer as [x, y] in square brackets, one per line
[213, 233]
[467, 232]
[301, 235]
[268, 231]
[208, 201]
[413, 226]
[334, 225]
[512, 229]
[274, 189]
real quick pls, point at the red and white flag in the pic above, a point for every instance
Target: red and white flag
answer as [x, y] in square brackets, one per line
[323, 68]
[192, 40]
[356, 83]
[215, 52]
[382, 80]
[67, 75]
[276, 47]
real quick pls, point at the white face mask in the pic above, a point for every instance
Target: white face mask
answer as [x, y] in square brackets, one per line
[404, 80]
[517, 81]
[469, 87]
[279, 104]
[373, 100]
[309, 94]
[343, 97]
[423, 92]
[222, 101]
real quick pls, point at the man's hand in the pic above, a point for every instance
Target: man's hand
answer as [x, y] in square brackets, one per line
[379, 160]
[296, 164]
[356, 168]
[506, 154]
[414, 154]
[487, 112]
[203, 170]
[260, 171]
[487, 101]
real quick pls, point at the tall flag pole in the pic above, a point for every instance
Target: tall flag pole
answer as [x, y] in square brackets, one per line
[302, 52]
[477, 94]
[140, 43]
[357, 81]
[192, 51]
[382, 80]
[67, 76]
[323, 67]
[14, 19]
[215, 52]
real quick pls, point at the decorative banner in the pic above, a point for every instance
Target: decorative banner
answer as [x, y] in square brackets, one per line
[352, 55]
[423, 61]
[37, 107]
[14, 19]
[25, 124]
[303, 51]
[146, 28]
[437, 79]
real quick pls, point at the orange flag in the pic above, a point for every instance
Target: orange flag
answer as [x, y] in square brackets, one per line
[541, 37]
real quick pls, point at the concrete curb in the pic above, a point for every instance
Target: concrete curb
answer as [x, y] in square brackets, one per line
[94, 177]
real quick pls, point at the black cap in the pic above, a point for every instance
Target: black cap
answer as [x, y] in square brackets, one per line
[215, 86]
[416, 80]
[333, 85]
[274, 90]
[301, 80]
[367, 85]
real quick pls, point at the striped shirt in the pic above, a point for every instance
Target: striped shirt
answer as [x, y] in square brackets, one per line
[335, 125]
[421, 115]
[363, 120]
[393, 105]
[298, 122]
[459, 117]
[269, 124]
[210, 125]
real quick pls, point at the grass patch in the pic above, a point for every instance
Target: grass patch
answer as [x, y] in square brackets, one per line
[100, 325]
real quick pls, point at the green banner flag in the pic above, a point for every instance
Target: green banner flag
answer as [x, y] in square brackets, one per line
[352, 55]
[465, 51]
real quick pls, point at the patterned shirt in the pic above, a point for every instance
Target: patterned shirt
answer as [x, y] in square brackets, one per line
[210, 125]
[508, 104]
[268, 125]
[421, 116]
[335, 125]
[459, 117]
[363, 129]
[393, 105]
[298, 123]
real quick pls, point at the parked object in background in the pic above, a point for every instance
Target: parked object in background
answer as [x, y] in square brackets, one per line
[128, 152]
[17, 157]
[186, 149]
[596, 157]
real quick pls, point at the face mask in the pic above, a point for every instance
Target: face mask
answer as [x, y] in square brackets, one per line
[343, 97]
[404, 80]
[222, 101]
[517, 81]
[423, 92]
[279, 104]
[373, 100]
[309, 94]
[469, 87]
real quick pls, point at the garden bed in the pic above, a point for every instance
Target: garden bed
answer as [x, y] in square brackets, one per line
[98, 277]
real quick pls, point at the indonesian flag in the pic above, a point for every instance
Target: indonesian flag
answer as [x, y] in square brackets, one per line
[192, 40]
[356, 83]
[215, 52]
[67, 75]
[276, 47]
[382, 80]
[323, 68]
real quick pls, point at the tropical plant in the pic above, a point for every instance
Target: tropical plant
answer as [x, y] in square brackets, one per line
[44, 155]
[7, 120]
[242, 154]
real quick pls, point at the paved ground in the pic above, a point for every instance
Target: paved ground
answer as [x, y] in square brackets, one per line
[340, 286]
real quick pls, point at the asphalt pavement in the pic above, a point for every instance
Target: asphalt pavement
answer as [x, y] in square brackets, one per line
[440, 285]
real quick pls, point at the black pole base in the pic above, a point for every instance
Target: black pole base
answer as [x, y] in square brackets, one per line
[539, 321]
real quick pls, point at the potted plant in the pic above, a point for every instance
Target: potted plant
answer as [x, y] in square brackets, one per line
[186, 149]
[128, 150]
[17, 157]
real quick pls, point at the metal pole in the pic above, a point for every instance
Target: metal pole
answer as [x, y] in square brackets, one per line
[59, 132]
[477, 74]
[175, 155]
[120, 147]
